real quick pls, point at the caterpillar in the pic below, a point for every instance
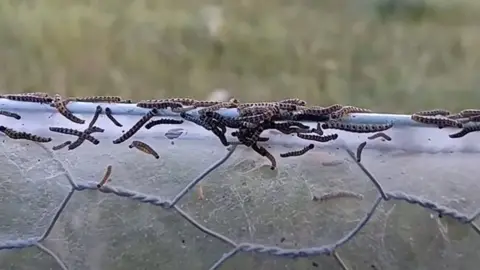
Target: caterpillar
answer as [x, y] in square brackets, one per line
[276, 106]
[466, 130]
[357, 128]
[98, 111]
[18, 135]
[264, 153]
[470, 112]
[10, 114]
[436, 120]
[106, 176]
[205, 103]
[82, 138]
[284, 125]
[108, 113]
[158, 104]
[29, 98]
[258, 104]
[74, 132]
[257, 118]
[380, 135]
[137, 126]
[97, 99]
[183, 101]
[62, 145]
[222, 105]
[344, 111]
[37, 94]
[338, 194]
[434, 112]
[298, 152]
[318, 130]
[163, 121]
[321, 111]
[286, 106]
[61, 107]
[318, 138]
[360, 150]
[295, 101]
[94, 129]
[144, 148]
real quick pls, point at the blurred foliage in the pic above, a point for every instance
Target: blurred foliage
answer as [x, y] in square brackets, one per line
[388, 55]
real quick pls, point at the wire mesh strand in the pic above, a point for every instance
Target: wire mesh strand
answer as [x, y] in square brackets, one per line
[171, 205]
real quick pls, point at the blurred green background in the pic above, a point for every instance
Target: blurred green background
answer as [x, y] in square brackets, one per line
[391, 56]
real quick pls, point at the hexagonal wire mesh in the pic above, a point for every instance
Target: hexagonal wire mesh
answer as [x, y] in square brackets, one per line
[408, 203]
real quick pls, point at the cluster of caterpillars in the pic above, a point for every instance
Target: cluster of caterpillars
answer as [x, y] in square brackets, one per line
[467, 120]
[286, 116]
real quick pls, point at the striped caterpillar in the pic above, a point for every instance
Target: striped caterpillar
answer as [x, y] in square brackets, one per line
[380, 135]
[264, 153]
[98, 99]
[318, 138]
[158, 104]
[62, 145]
[61, 107]
[298, 152]
[357, 128]
[466, 130]
[29, 98]
[344, 111]
[74, 132]
[144, 148]
[164, 121]
[10, 114]
[18, 135]
[321, 111]
[440, 121]
[137, 126]
[434, 112]
[360, 151]
[295, 101]
[106, 177]
[108, 113]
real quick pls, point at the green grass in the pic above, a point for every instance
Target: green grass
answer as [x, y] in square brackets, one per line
[322, 51]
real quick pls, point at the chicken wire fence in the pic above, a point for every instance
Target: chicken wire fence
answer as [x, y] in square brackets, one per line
[403, 199]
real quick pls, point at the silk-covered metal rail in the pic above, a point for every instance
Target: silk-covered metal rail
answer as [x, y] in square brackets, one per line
[259, 126]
